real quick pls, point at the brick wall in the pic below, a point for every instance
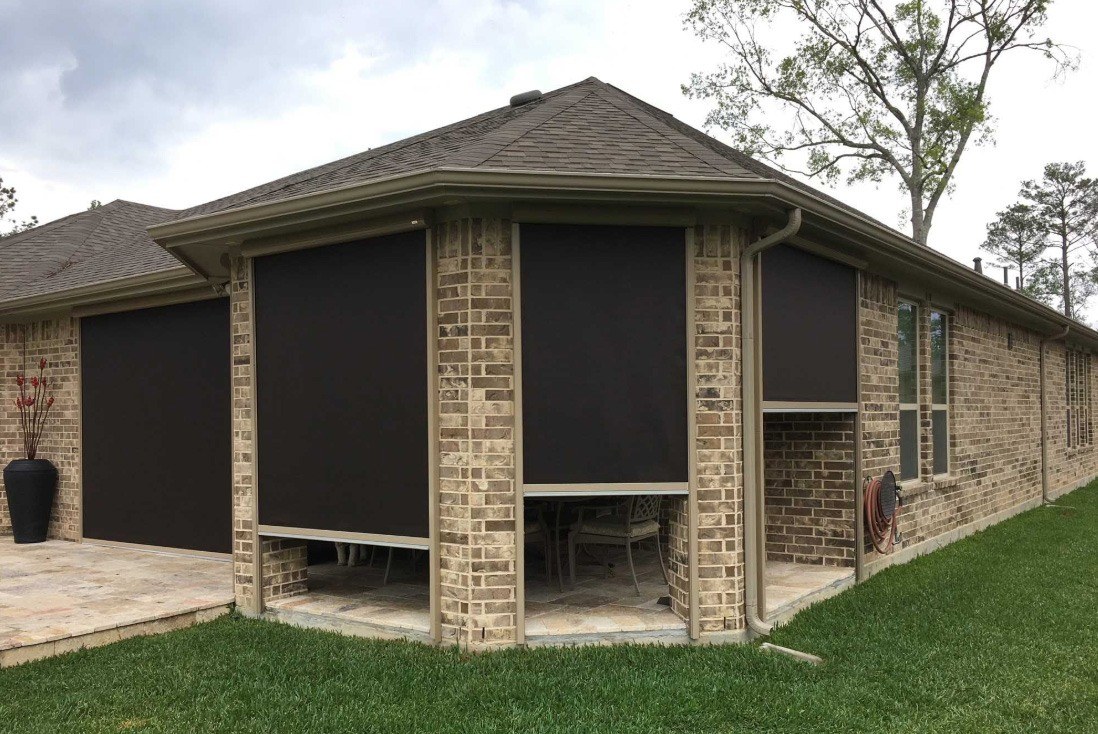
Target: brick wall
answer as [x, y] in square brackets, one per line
[718, 424]
[994, 421]
[1067, 465]
[809, 485]
[478, 553]
[57, 340]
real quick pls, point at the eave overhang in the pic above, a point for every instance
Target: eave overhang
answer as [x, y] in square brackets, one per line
[412, 200]
[177, 284]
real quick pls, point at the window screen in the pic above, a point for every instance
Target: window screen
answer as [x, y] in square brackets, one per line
[809, 328]
[342, 387]
[604, 395]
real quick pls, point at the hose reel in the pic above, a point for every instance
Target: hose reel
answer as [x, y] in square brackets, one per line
[882, 511]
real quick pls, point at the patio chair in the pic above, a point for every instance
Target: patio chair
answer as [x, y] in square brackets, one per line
[636, 519]
[536, 530]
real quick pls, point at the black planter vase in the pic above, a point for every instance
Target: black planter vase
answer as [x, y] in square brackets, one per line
[30, 485]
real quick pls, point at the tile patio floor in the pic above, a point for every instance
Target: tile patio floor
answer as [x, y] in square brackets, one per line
[348, 596]
[599, 603]
[59, 596]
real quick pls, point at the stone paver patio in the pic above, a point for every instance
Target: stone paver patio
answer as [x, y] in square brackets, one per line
[59, 596]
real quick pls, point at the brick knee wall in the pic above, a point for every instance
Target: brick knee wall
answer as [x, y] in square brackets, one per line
[57, 340]
[809, 488]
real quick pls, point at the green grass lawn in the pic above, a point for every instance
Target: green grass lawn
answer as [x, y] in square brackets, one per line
[997, 633]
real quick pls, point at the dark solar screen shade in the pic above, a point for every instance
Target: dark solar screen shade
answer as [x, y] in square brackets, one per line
[342, 387]
[156, 426]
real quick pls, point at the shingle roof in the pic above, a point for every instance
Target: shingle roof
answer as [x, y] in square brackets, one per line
[101, 244]
[589, 126]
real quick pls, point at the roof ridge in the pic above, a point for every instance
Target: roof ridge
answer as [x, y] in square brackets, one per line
[512, 131]
[26, 234]
[615, 98]
[294, 179]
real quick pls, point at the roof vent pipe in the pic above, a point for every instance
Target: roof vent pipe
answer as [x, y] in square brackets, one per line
[526, 98]
[978, 265]
[1006, 276]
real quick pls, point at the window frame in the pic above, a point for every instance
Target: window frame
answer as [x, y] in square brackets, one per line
[947, 330]
[1077, 371]
[910, 407]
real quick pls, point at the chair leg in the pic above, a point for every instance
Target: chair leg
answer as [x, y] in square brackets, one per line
[659, 554]
[572, 557]
[548, 560]
[633, 571]
[388, 567]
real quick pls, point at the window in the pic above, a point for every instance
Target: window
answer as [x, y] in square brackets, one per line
[908, 338]
[1079, 429]
[939, 390]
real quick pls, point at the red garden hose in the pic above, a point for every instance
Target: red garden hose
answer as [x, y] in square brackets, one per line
[882, 511]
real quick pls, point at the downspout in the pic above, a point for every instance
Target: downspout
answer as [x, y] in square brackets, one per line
[754, 518]
[1044, 412]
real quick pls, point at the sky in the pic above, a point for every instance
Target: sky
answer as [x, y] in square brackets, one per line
[176, 103]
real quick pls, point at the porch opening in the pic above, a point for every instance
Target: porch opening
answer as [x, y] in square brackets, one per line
[605, 565]
[809, 493]
[361, 589]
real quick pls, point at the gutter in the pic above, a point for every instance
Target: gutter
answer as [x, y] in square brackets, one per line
[440, 186]
[1044, 413]
[30, 308]
[754, 506]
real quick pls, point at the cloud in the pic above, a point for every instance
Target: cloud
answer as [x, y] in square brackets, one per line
[175, 103]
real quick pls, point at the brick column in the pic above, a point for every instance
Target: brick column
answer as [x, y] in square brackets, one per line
[56, 340]
[478, 554]
[284, 562]
[719, 444]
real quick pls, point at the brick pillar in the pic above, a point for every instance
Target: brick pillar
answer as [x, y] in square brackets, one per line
[285, 564]
[719, 436]
[478, 555]
[56, 340]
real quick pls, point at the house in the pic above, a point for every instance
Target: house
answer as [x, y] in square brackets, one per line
[440, 346]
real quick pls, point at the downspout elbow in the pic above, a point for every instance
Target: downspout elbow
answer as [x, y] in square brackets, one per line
[754, 509]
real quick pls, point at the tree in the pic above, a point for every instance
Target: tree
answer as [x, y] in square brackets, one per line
[873, 89]
[1017, 239]
[8, 203]
[95, 204]
[1065, 203]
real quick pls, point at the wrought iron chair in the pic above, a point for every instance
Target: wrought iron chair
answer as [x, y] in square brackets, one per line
[636, 519]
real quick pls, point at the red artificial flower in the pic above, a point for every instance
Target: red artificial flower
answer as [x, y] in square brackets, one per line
[42, 364]
[28, 402]
[34, 382]
[49, 402]
[19, 380]
[19, 402]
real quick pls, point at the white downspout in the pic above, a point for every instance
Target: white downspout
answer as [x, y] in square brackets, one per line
[754, 518]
